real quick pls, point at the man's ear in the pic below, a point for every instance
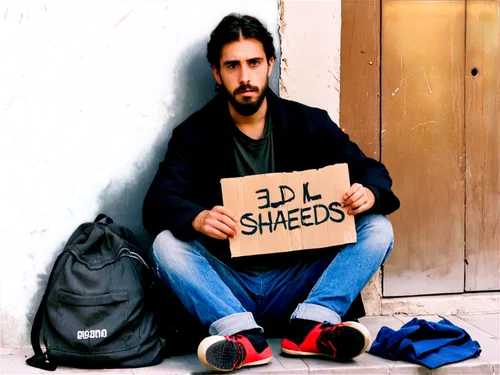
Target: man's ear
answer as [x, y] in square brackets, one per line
[216, 74]
[271, 64]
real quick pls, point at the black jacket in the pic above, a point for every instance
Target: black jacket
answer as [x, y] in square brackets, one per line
[200, 153]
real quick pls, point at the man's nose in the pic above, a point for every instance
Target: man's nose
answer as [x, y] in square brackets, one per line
[244, 74]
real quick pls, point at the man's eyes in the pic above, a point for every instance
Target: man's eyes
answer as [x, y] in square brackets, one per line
[252, 63]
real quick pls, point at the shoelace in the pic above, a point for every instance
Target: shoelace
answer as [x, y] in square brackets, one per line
[325, 338]
[241, 349]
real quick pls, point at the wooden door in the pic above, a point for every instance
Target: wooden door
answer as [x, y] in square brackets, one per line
[440, 124]
[420, 89]
[423, 49]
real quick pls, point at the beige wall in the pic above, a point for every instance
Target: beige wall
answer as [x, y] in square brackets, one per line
[310, 47]
[89, 94]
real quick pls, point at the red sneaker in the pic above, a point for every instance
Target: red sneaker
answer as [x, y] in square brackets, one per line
[228, 353]
[340, 341]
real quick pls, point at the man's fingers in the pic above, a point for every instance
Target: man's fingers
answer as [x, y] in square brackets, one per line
[354, 197]
[217, 229]
[363, 204]
[216, 217]
[214, 233]
[225, 211]
[222, 224]
[229, 222]
[359, 202]
[358, 210]
[219, 223]
[352, 190]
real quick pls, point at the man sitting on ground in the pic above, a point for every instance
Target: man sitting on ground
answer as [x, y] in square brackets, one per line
[245, 130]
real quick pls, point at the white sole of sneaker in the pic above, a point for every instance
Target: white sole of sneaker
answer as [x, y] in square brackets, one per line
[203, 347]
[209, 341]
[355, 325]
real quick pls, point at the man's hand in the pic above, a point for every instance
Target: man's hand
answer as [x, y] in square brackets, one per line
[219, 223]
[358, 199]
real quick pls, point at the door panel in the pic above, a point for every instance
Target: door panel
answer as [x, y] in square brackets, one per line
[482, 119]
[423, 143]
[360, 74]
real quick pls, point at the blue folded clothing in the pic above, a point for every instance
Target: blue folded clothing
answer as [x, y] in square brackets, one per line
[426, 343]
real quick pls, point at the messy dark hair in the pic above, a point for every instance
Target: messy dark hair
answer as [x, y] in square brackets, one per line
[234, 27]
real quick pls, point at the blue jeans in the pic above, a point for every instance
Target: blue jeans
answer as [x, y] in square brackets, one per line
[319, 288]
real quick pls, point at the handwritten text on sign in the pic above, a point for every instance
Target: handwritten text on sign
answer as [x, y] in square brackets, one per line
[281, 212]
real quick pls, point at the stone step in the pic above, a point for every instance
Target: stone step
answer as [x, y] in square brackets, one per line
[483, 328]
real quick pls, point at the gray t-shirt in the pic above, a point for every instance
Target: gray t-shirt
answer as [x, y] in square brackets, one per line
[254, 156]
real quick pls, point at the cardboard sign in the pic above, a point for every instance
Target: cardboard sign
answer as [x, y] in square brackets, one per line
[280, 212]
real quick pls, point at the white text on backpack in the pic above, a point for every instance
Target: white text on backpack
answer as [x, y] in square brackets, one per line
[91, 334]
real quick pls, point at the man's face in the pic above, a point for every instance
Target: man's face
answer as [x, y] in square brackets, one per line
[244, 73]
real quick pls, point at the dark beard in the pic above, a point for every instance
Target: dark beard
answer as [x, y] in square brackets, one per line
[247, 108]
